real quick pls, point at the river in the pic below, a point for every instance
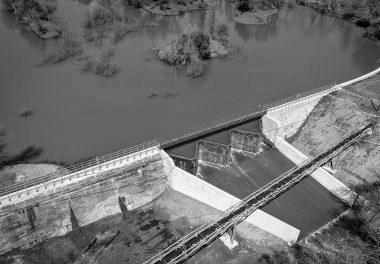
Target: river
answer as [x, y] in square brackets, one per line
[78, 115]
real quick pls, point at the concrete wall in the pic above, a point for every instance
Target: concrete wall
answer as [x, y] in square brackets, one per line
[284, 120]
[320, 94]
[202, 191]
[52, 185]
[322, 176]
[213, 152]
[184, 163]
[279, 124]
[52, 211]
[246, 141]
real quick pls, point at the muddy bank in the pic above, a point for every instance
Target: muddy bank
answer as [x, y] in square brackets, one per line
[170, 7]
[364, 13]
[255, 12]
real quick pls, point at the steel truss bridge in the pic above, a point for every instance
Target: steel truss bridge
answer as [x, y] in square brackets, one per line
[190, 244]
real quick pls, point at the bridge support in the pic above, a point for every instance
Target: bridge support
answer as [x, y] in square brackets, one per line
[229, 238]
[331, 165]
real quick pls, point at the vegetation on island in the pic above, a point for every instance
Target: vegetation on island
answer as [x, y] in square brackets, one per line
[67, 46]
[364, 13]
[193, 48]
[38, 16]
[169, 7]
[256, 11]
[101, 63]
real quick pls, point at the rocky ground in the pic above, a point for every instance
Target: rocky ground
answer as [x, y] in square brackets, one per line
[138, 235]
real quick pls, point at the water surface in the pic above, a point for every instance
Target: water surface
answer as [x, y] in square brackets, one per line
[78, 115]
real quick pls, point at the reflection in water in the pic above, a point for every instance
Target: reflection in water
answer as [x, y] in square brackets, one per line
[78, 115]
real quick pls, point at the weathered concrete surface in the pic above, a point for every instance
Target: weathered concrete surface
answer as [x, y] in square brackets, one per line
[51, 185]
[213, 152]
[200, 190]
[56, 211]
[246, 141]
[322, 176]
[285, 123]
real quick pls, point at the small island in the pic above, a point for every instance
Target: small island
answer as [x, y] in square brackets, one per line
[194, 48]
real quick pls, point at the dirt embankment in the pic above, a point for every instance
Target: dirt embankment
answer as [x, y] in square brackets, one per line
[364, 13]
[354, 237]
[332, 118]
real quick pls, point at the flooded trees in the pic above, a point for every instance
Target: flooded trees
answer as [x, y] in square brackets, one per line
[37, 15]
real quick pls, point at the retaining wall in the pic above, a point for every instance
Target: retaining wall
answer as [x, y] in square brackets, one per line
[202, 191]
[270, 125]
[184, 163]
[213, 152]
[51, 212]
[52, 185]
[320, 94]
[246, 141]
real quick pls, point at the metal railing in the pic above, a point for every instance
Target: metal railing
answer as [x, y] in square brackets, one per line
[245, 115]
[92, 163]
[187, 135]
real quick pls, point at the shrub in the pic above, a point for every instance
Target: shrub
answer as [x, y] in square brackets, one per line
[363, 23]
[202, 43]
[25, 112]
[120, 30]
[245, 5]
[222, 33]
[98, 15]
[196, 68]
[67, 46]
[101, 63]
[42, 9]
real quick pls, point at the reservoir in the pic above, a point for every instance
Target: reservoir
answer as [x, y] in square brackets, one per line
[77, 115]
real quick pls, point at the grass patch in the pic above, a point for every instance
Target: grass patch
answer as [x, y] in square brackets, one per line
[101, 63]
[66, 47]
[98, 15]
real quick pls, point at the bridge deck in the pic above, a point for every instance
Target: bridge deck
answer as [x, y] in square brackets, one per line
[202, 236]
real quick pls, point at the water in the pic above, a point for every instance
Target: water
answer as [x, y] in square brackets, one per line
[78, 115]
[307, 206]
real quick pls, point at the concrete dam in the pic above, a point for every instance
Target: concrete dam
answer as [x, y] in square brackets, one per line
[55, 204]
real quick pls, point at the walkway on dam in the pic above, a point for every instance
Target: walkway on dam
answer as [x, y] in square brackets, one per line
[204, 235]
[166, 143]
